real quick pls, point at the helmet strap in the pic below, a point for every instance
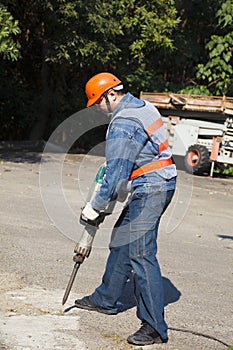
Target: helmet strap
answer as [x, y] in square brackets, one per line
[107, 102]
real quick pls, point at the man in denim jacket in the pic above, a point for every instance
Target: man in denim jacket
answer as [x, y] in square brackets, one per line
[138, 158]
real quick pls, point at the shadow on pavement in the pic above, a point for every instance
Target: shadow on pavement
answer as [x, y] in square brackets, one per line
[21, 152]
[19, 157]
[225, 237]
[171, 294]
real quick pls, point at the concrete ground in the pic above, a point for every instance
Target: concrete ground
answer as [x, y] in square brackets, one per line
[195, 253]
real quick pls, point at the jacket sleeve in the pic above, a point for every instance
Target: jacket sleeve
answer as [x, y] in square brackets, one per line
[125, 139]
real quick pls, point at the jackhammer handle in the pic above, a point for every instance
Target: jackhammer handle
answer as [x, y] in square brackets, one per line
[83, 247]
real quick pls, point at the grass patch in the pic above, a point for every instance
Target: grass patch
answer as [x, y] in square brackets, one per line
[114, 337]
[226, 171]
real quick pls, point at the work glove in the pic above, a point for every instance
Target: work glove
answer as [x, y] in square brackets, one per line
[91, 216]
[89, 213]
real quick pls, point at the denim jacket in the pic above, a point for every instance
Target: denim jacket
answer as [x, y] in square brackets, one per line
[128, 147]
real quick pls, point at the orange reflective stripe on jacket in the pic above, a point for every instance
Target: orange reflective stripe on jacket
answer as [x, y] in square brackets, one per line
[150, 167]
[163, 146]
[154, 126]
[151, 130]
[162, 163]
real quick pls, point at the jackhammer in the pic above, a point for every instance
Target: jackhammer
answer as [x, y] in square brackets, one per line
[83, 248]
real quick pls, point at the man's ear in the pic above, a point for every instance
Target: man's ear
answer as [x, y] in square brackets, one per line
[112, 94]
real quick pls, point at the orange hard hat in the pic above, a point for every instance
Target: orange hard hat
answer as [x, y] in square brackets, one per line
[98, 84]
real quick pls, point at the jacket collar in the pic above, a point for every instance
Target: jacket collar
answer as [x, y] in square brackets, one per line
[128, 101]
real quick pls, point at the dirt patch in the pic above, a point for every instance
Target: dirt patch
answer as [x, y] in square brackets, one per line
[10, 281]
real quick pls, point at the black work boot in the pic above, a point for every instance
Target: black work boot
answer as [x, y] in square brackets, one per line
[146, 335]
[87, 304]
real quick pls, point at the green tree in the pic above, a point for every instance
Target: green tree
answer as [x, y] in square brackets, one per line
[217, 73]
[9, 28]
[176, 69]
[64, 42]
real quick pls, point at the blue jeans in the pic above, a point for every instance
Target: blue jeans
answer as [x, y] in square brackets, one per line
[133, 247]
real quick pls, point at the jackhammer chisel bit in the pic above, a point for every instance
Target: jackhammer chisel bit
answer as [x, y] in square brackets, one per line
[78, 259]
[82, 250]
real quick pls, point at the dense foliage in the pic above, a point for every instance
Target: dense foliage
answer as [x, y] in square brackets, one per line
[49, 48]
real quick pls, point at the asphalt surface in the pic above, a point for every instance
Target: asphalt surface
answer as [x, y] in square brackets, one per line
[195, 253]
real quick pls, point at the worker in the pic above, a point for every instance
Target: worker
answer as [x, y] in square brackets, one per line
[139, 160]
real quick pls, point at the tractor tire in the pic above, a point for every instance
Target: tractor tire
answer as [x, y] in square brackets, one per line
[197, 160]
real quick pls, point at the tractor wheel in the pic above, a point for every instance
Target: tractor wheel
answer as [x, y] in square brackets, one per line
[197, 160]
